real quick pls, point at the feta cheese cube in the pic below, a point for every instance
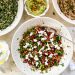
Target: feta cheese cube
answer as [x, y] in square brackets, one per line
[61, 45]
[45, 33]
[41, 32]
[42, 48]
[31, 55]
[46, 61]
[55, 54]
[35, 46]
[35, 40]
[36, 58]
[38, 43]
[31, 33]
[51, 55]
[27, 56]
[56, 46]
[37, 63]
[52, 35]
[40, 52]
[48, 47]
[27, 44]
[51, 40]
[30, 49]
[43, 38]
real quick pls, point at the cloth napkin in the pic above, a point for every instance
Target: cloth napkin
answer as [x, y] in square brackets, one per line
[72, 63]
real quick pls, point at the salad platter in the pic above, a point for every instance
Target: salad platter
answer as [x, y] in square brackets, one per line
[26, 59]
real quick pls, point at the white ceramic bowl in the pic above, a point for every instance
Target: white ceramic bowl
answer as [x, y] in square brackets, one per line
[40, 14]
[45, 21]
[16, 20]
[4, 48]
[57, 8]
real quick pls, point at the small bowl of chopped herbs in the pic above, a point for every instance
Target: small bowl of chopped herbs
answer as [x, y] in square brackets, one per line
[36, 8]
[10, 15]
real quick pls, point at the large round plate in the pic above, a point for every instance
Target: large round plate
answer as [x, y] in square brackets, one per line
[16, 20]
[68, 46]
[56, 6]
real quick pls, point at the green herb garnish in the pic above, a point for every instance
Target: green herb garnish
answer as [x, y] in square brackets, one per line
[8, 11]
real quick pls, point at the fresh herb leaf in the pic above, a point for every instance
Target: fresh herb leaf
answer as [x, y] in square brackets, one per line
[60, 52]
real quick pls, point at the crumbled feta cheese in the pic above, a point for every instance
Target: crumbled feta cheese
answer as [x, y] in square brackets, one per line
[36, 58]
[27, 56]
[51, 40]
[61, 45]
[46, 53]
[40, 35]
[42, 48]
[35, 46]
[43, 38]
[37, 63]
[30, 49]
[55, 54]
[31, 33]
[58, 48]
[27, 44]
[45, 33]
[51, 55]
[48, 47]
[46, 61]
[31, 55]
[41, 32]
[40, 52]
[35, 40]
[52, 43]
[52, 35]
[38, 43]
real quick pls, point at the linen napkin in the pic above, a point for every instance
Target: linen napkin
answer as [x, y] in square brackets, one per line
[72, 63]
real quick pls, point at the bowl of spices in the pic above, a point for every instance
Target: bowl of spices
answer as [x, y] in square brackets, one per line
[10, 15]
[65, 9]
[36, 8]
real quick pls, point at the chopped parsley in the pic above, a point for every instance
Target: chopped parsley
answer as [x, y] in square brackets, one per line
[8, 11]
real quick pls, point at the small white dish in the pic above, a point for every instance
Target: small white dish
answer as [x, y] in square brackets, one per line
[45, 21]
[4, 52]
[57, 8]
[40, 14]
[16, 20]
